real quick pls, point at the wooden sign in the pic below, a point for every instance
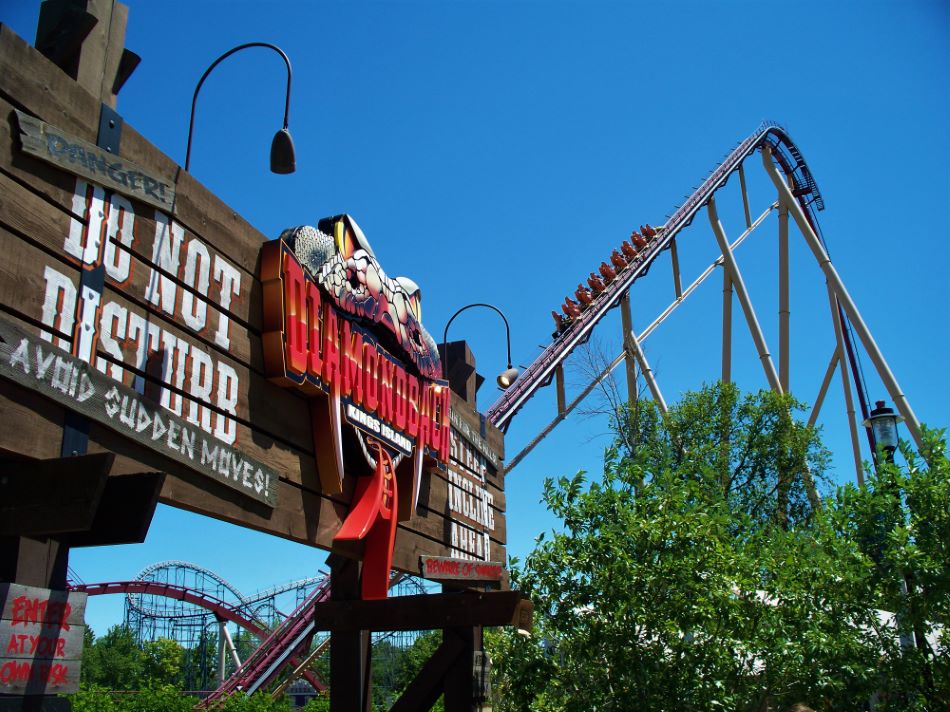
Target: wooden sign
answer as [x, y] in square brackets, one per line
[83, 159]
[440, 568]
[41, 640]
[179, 322]
[43, 368]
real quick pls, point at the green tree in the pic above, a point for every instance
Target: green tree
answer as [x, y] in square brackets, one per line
[115, 661]
[701, 571]
[163, 659]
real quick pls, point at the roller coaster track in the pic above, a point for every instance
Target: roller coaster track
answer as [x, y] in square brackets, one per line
[540, 372]
[221, 610]
[276, 651]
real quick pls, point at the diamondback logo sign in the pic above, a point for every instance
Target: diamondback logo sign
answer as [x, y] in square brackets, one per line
[339, 329]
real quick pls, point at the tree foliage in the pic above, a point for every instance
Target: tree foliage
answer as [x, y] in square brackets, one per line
[701, 571]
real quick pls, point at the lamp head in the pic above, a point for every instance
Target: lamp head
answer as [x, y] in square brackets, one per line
[282, 156]
[883, 423]
[507, 377]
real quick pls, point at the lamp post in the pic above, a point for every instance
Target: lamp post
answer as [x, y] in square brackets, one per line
[506, 377]
[282, 156]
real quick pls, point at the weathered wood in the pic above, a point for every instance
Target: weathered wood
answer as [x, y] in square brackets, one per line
[424, 612]
[35, 364]
[23, 287]
[441, 568]
[125, 511]
[458, 683]
[427, 685]
[32, 82]
[82, 158]
[46, 497]
[42, 638]
[24, 598]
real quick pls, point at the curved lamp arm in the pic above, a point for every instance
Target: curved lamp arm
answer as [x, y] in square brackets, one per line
[194, 98]
[510, 373]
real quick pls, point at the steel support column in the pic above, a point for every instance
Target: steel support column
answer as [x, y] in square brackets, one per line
[627, 322]
[733, 269]
[823, 391]
[784, 311]
[848, 402]
[745, 196]
[632, 344]
[726, 326]
[844, 298]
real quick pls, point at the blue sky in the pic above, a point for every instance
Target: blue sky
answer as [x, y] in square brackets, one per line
[498, 151]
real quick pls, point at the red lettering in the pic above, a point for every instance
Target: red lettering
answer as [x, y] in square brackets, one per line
[385, 389]
[331, 352]
[441, 427]
[295, 316]
[412, 419]
[370, 390]
[352, 359]
[315, 363]
[402, 404]
[61, 647]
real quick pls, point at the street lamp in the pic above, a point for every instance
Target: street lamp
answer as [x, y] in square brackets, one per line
[883, 423]
[282, 155]
[506, 377]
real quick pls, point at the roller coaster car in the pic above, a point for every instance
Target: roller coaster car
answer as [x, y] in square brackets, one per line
[629, 250]
[596, 283]
[608, 272]
[583, 295]
[638, 240]
[648, 231]
[618, 261]
[558, 323]
[570, 308]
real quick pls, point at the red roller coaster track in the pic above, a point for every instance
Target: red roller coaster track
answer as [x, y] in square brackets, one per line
[221, 609]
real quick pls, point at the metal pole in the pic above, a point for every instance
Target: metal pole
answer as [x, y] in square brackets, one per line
[726, 326]
[627, 322]
[231, 648]
[677, 284]
[783, 301]
[745, 196]
[733, 269]
[844, 299]
[849, 404]
[222, 624]
[826, 381]
[559, 378]
[631, 343]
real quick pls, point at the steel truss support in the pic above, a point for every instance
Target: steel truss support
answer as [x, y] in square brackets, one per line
[848, 402]
[823, 391]
[627, 323]
[632, 344]
[784, 311]
[733, 269]
[844, 298]
[565, 411]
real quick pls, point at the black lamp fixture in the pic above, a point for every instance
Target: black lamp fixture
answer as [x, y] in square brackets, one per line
[510, 374]
[883, 423]
[282, 156]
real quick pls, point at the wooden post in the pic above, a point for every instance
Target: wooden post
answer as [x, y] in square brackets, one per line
[350, 672]
[86, 38]
[458, 683]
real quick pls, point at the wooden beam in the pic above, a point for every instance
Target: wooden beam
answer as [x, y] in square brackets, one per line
[56, 496]
[427, 612]
[427, 685]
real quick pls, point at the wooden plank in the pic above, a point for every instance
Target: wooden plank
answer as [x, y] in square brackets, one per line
[82, 158]
[40, 643]
[424, 612]
[46, 497]
[23, 286]
[32, 604]
[24, 677]
[35, 364]
[32, 82]
[426, 686]
[26, 213]
[443, 568]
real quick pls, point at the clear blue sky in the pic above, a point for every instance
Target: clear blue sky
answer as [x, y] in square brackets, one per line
[498, 151]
